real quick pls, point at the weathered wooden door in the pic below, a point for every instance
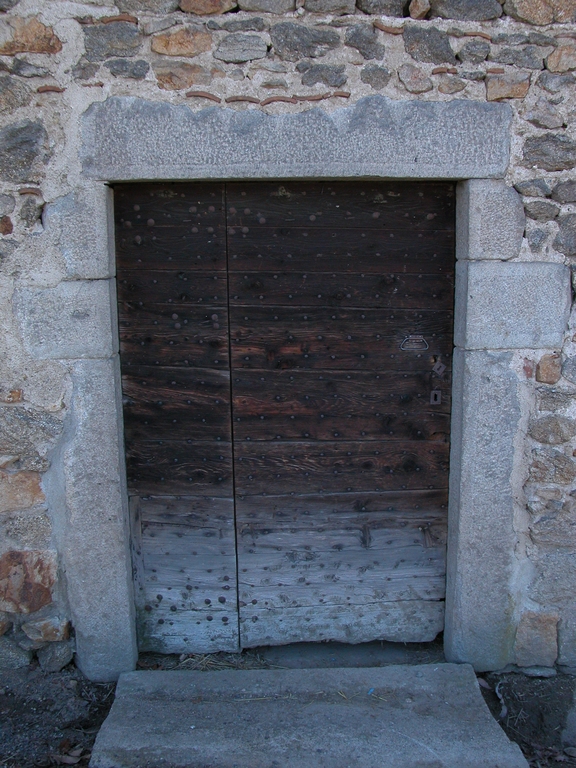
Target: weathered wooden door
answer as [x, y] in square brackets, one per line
[286, 354]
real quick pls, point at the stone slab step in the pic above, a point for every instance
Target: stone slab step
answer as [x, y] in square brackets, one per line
[425, 716]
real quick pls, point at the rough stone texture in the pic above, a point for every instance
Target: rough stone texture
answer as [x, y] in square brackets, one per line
[569, 369]
[474, 52]
[183, 41]
[552, 430]
[376, 76]
[293, 41]
[549, 369]
[5, 623]
[12, 656]
[449, 84]
[207, 7]
[382, 7]
[141, 6]
[563, 59]
[250, 24]
[565, 241]
[55, 656]
[511, 305]
[133, 139]
[21, 144]
[136, 70]
[553, 399]
[550, 465]
[542, 210]
[510, 85]
[428, 44]
[72, 320]
[555, 83]
[19, 490]
[541, 12]
[365, 39]
[479, 622]
[528, 57]
[567, 650]
[544, 115]
[27, 530]
[490, 220]
[564, 192]
[26, 580]
[332, 75]
[536, 640]
[80, 223]
[419, 9]
[26, 435]
[414, 79]
[467, 10]
[13, 94]
[551, 152]
[330, 6]
[7, 204]
[534, 188]
[24, 68]
[49, 630]
[439, 705]
[95, 535]
[105, 41]
[268, 6]
[238, 47]
[20, 35]
[176, 75]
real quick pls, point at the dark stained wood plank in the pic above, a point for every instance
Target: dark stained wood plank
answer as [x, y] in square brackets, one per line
[145, 287]
[406, 621]
[339, 406]
[364, 204]
[344, 339]
[279, 467]
[193, 512]
[322, 250]
[169, 203]
[176, 403]
[158, 335]
[330, 289]
[172, 248]
[419, 508]
[179, 467]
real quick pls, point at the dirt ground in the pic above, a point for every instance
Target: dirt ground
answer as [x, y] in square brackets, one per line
[52, 719]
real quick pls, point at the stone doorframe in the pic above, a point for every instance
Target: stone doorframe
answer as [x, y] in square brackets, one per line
[502, 308]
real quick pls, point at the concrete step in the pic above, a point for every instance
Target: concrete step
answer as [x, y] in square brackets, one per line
[424, 716]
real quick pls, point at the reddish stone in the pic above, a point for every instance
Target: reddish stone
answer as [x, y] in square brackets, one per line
[563, 59]
[6, 227]
[19, 490]
[207, 7]
[549, 369]
[26, 580]
[513, 85]
[50, 630]
[30, 36]
[537, 640]
[185, 41]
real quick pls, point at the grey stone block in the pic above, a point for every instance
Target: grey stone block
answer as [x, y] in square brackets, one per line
[238, 47]
[104, 41]
[54, 656]
[12, 656]
[90, 486]
[364, 38]
[293, 41]
[330, 6]
[130, 138]
[267, 6]
[551, 152]
[21, 144]
[485, 423]
[511, 305]
[490, 220]
[71, 321]
[565, 240]
[82, 225]
[428, 44]
[422, 716]
[466, 10]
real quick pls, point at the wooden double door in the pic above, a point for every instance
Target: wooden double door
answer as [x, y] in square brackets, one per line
[286, 356]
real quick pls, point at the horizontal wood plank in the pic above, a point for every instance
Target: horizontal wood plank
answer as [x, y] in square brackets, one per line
[279, 467]
[170, 467]
[187, 631]
[172, 248]
[189, 511]
[338, 406]
[363, 204]
[140, 288]
[157, 335]
[332, 289]
[176, 403]
[409, 621]
[323, 250]
[169, 203]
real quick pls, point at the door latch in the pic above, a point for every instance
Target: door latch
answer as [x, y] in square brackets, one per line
[414, 341]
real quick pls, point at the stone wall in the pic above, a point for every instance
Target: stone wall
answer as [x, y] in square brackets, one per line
[57, 57]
